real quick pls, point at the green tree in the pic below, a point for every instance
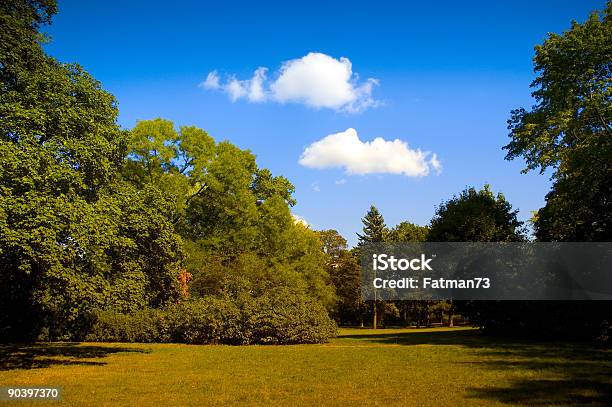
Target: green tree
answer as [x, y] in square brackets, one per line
[234, 217]
[344, 271]
[70, 234]
[476, 216]
[374, 228]
[408, 232]
[374, 231]
[569, 130]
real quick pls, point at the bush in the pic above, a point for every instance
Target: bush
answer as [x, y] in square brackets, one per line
[147, 325]
[278, 317]
[206, 320]
[282, 317]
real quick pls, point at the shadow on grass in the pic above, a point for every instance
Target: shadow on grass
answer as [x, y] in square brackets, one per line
[559, 373]
[43, 355]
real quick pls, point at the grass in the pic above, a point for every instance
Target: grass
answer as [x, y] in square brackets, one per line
[384, 367]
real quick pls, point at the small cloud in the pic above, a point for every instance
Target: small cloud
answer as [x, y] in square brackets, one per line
[211, 82]
[340, 182]
[315, 187]
[256, 86]
[235, 89]
[435, 164]
[316, 80]
[379, 156]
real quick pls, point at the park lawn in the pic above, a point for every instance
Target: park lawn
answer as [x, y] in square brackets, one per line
[441, 366]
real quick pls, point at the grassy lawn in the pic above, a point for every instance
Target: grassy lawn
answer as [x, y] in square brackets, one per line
[384, 367]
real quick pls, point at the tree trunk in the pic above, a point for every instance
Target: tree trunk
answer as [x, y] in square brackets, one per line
[374, 313]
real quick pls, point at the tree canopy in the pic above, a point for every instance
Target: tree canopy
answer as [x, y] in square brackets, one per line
[569, 130]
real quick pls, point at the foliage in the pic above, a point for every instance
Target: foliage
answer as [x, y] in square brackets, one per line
[476, 216]
[570, 130]
[344, 272]
[374, 228]
[277, 317]
[234, 217]
[73, 236]
[281, 316]
[408, 232]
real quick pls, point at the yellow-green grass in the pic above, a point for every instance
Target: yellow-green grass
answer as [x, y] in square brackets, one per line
[361, 367]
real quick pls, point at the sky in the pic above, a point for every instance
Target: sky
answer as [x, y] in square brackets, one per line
[396, 104]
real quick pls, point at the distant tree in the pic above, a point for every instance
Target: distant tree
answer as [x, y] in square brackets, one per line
[374, 228]
[476, 216]
[374, 231]
[408, 232]
[344, 272]
[569, 130]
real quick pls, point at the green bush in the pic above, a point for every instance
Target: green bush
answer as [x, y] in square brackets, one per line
[205, 320]
[278, 317]
[146, 325]
[282, 317]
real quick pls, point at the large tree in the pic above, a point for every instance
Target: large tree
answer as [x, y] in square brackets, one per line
[476, 216]
[569, 130]
[234, 217]
[73, 236]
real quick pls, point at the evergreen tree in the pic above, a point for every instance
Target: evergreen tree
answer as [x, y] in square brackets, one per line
[374, 228]
[374, 231]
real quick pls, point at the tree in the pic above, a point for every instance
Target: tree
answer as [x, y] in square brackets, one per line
[408, 232]
[72, 236]
[476, 216]
[569, 130]
[234, 217]
[343, 268]
[374, 228]
[374, 231]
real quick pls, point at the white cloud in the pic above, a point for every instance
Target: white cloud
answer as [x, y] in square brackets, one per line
[435, 164]
[316, 80]
[212, 81]
[340, 182]
[315, 187]
[235, 89]
[378, 156]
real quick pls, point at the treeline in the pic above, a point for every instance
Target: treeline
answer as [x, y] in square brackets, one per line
[97, 221]
[472, 216]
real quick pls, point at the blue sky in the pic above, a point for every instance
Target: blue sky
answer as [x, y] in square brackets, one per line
[448, 74]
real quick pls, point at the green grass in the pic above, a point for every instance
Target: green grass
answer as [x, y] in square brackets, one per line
[383, 367]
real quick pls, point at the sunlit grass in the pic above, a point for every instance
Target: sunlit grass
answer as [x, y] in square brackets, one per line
[383, 367]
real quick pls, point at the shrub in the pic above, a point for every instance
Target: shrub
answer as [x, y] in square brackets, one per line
[278, 317]
[283, 317]
[146, 325]
[205, 320]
